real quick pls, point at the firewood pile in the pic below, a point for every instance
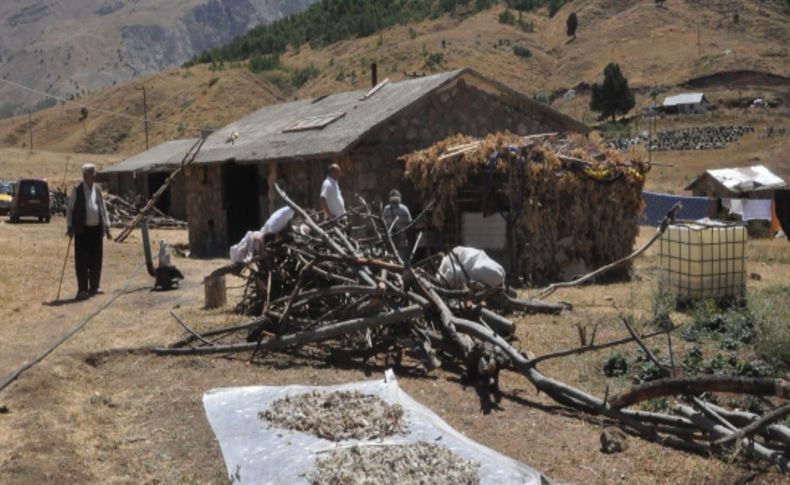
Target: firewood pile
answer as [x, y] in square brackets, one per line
[319, 293]
[123, 211]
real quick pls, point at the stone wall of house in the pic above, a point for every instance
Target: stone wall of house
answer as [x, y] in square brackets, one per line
[208, 232]
[373, 168]
[178, 197]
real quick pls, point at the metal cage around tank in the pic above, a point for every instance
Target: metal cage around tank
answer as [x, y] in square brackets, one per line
[701, 261]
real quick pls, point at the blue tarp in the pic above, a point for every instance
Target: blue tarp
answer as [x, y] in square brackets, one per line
[657, 205]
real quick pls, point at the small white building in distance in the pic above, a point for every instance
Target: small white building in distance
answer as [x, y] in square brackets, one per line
[685, 103]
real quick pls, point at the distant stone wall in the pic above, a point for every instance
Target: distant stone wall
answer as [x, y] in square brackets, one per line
[208, 231]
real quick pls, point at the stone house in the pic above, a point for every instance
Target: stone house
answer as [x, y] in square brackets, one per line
[685, 103]
[230, 184]
[143, 174]
[756, 182]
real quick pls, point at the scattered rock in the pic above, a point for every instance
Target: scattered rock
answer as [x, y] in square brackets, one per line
[756, 276]
[613, 440]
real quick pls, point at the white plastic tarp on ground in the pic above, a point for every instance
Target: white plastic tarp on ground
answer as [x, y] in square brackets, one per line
[256, 452]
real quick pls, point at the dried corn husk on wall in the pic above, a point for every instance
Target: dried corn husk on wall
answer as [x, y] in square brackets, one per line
[570, 198]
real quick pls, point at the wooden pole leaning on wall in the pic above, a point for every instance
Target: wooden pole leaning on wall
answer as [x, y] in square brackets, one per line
[188, 159]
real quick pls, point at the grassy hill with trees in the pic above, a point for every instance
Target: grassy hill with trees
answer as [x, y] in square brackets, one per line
[684, 45]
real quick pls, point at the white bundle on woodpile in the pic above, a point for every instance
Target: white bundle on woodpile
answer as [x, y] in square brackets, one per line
[322, 294]
[122, 212]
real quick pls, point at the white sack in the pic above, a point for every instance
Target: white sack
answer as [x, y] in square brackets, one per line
[278, 221]
[476, 263]
[255, 452]
[244, 250]
[251, 243]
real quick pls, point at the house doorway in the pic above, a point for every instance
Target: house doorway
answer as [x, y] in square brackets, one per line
[155, 181]
[241, 200]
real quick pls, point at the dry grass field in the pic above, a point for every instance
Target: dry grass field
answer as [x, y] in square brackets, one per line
[102, 409]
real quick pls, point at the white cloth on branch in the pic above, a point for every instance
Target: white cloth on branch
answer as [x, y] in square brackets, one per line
[473, 262]
[252, 242]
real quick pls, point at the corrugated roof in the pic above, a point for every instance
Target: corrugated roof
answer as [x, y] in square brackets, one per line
[166, 156]
[745, 179]
[262, 135]
[684, 98]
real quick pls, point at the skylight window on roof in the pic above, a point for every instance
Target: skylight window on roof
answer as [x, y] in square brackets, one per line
[313, 122]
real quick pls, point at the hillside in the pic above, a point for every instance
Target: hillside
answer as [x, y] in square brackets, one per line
[653, 46]
[180, 102]
[73, 47]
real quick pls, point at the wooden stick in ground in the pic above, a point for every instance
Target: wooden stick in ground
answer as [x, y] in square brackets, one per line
[635, 336]
[63, 270]
[188, 159]
[603, 269]
[591, 348]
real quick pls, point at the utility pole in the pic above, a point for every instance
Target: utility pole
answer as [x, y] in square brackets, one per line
[145, 115]
[699, 44]
[30, 127]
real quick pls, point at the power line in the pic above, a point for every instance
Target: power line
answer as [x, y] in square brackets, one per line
[94, 108]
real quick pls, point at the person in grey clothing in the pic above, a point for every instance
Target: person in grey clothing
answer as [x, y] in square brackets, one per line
[397, 217]
[87, 222]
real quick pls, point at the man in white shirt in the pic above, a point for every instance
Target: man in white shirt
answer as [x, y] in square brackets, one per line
[331, 199]
[87, 221]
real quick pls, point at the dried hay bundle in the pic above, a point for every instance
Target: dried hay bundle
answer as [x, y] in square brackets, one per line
[412, 464]
[567, 198]
[337, 415]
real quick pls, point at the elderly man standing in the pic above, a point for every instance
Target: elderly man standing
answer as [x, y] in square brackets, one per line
[331, 199]
[397, 217]
[87, 221]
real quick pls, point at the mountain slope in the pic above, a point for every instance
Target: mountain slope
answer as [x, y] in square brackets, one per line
[653, 46]
[73, 47]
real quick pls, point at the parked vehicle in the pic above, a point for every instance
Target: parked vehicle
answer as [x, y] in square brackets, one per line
[31, 200]
[6, 197]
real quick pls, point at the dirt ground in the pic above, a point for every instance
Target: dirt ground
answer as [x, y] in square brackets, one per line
[97, 410]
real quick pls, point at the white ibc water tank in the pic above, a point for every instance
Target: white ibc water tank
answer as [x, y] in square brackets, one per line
[702, 261]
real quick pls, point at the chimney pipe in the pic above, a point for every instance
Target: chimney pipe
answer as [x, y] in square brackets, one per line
[374, 75]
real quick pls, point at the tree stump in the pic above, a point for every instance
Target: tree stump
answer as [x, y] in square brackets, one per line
[216, 292]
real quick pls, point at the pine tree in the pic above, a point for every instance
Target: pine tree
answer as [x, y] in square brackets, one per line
[571, 25]
[614, 96]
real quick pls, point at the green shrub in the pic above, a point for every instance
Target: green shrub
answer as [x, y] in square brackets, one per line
[522, 51]
[265, 63]
[615, 365]
[507, 17]
[770, 309]
[433, 60]
[300, 76]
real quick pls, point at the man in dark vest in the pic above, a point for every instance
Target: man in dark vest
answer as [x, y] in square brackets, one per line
[87, 221]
